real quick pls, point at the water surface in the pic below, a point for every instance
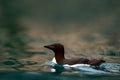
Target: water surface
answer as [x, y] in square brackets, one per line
[25, 75]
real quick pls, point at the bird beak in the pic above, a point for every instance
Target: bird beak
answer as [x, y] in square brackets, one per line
[49, 46]
[46, 46]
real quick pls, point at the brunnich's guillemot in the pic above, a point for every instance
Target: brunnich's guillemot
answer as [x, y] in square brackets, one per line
[59, 58]
[58, 49]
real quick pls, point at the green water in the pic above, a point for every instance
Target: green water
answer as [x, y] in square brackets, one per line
[52, 76]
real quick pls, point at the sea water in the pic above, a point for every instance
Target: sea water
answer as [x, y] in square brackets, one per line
[27, 75]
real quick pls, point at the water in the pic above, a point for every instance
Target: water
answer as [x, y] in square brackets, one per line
[26, 75]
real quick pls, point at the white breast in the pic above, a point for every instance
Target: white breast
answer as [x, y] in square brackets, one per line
[53, 60]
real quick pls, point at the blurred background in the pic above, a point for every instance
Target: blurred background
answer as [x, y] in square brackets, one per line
[87, 28]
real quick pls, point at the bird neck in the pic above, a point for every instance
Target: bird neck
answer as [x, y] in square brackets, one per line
[59, 56]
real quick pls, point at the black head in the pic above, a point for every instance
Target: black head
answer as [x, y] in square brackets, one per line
[56, 47]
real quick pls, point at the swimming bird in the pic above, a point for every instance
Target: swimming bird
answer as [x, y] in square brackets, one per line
[58, 49]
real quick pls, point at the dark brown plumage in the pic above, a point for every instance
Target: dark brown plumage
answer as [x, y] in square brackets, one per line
[96, 62]
[58, 49]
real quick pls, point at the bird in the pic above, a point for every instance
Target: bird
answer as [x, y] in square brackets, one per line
[59, 51]
[60, 59]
